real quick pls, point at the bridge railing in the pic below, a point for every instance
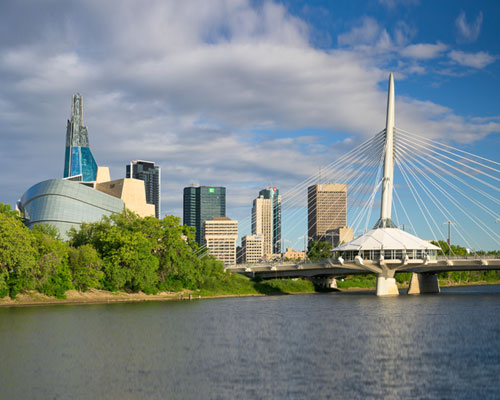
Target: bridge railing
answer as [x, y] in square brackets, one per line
[470, 257]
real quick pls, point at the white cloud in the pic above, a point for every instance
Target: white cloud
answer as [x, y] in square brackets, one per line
[393, 3]
[424, 51]
[477, 60]
[468, 32]
[215, 92]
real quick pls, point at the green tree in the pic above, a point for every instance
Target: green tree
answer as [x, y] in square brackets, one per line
[86, 267]
[53, 276]
[17, 255]
[319, 250]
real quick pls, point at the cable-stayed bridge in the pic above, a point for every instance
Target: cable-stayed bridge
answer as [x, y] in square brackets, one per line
[424, 184]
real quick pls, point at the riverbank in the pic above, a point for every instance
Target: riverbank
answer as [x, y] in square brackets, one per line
[95, 296]
[238, 287]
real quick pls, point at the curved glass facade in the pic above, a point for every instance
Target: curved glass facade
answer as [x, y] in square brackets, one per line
[65, 204]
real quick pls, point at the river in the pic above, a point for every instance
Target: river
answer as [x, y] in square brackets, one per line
[323, 346]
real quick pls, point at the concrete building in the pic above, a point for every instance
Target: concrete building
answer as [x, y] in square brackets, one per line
[131, 191]
[339, 235]
[202, 203]
[273, 193]
[326, 209]
[262, 221]
[220, 236]
[291, 254]
[252, 247]
[151, 175]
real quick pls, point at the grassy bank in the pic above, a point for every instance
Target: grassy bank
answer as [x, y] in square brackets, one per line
[237, 285]
[241, 285]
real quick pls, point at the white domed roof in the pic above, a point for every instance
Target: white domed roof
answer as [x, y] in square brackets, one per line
[387, 239]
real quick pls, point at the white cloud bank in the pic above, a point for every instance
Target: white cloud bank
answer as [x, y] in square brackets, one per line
[211, 91]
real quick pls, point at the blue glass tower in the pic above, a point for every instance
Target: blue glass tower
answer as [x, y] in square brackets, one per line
[78, 160]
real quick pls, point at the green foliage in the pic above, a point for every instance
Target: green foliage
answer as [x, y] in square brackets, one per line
[358, 281]
[17, 255]
[319, 250]
[86, 267]
[455, 249]
[234, 284]
[52, 273]
[403, 277]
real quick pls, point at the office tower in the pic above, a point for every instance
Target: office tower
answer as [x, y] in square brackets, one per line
[202, 203]
[220, 235]
[326, 209]
[78, 161]
[274, 194]
[151, 175]
[262, 221]
[252, 247]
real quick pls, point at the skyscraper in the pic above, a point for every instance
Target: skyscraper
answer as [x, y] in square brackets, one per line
[326, 209]
[151, 175]
[78, 161]
[262, 221]
[202, 203]
[274, 194]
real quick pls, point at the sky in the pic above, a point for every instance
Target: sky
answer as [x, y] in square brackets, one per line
[242, 94]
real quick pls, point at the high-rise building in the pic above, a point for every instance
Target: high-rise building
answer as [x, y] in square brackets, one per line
[274, 194]
[326, 209]
[221, 234]
[78, 161]
[262, 221]
[151, 175]
[252, 247]
[202, 203]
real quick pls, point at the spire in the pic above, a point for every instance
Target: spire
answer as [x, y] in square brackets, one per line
[78, 158]
[388, 179]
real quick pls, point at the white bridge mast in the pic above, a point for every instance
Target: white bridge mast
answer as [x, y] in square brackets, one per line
[388, 179]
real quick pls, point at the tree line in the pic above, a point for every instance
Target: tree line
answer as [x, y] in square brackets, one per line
[120, 252]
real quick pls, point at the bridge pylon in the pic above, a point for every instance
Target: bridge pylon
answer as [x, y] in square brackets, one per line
[385, 249]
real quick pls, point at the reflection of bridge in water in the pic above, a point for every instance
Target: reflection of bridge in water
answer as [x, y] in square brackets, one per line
[386, 249]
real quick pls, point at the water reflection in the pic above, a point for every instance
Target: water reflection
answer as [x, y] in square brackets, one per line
[309, 346]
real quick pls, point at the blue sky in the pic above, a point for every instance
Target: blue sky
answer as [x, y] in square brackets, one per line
[239, 93]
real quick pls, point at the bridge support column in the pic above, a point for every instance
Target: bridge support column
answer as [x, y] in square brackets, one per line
[423, 283]
[386, 286]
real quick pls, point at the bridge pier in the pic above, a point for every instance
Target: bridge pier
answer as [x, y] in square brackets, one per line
[386, 286]
[423, 284]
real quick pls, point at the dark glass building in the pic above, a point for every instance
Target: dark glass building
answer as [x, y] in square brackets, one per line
[78, 161]
[151, 175]
[202, 203]
[274, 194]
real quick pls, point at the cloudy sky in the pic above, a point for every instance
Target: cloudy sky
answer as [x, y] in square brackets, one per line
[239, 93]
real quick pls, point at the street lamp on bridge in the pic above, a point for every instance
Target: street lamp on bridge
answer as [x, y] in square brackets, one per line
[450, 223]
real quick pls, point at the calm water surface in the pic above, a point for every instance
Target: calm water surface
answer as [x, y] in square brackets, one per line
[348, 346]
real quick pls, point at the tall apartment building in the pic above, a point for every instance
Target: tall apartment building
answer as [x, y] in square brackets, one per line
[220, 235]
[326, 209]
[262, 221]
[252, 247]
[151, 175]
[274, 194]
[202, 203]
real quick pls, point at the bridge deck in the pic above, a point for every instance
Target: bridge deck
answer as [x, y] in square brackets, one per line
[334, 268]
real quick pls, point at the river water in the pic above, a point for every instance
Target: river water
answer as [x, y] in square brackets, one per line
[323, 346]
